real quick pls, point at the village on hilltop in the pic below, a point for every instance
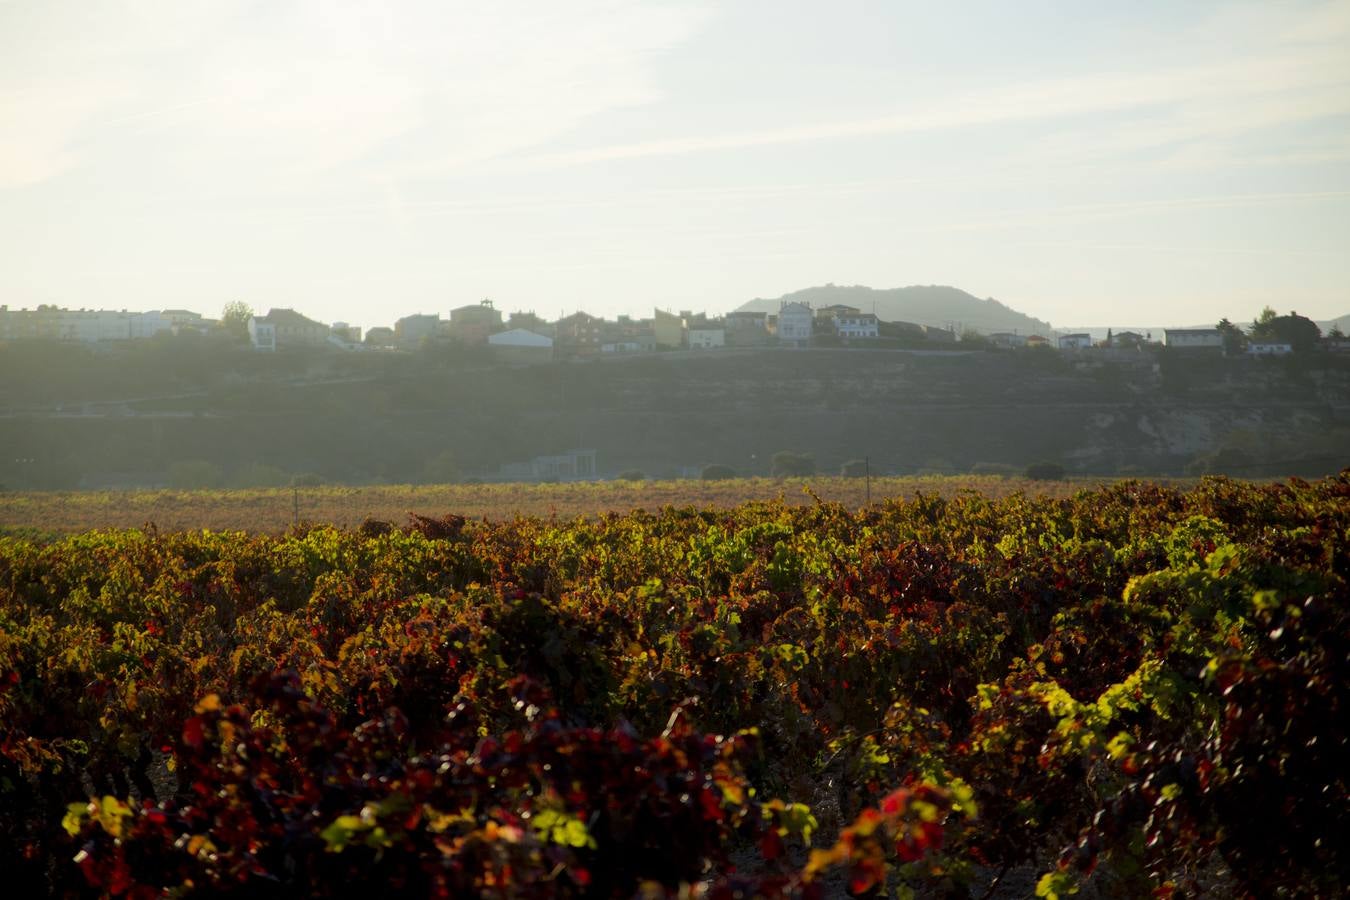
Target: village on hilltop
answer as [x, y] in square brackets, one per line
[524, 337]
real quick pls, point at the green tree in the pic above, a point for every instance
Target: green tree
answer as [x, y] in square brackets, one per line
[1261, 324]
[234, 319]
[1299, 332]
[1233, 338]
[1044, 471]
[717, 472]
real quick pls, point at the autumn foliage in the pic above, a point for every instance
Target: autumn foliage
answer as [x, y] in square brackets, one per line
[1138, 687]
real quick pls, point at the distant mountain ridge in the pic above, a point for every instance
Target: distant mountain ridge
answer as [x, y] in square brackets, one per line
[940, 306]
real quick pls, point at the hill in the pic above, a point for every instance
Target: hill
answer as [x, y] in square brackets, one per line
[1341, 322]
[936, 305]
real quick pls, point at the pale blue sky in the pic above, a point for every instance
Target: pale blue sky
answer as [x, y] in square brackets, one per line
[1144, 162]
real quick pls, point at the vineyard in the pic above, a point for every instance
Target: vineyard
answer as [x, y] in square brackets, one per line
[277, 509]
[1132, 690]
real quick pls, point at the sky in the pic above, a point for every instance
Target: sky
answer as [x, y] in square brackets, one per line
[1085, 163]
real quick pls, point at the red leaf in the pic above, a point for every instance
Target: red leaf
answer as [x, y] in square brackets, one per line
[864, 876]
[193, 734]
[771, 845]
[712, 810]
[895, 802]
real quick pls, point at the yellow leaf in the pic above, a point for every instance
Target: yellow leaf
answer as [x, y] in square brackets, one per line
[111, 812]
[200, 845]
[822, 859]
[74, 818]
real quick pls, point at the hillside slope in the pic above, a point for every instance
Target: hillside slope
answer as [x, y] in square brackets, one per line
[671, 413]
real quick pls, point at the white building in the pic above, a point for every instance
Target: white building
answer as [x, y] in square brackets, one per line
[856, 325]
[262, 335]
[88, 325]
[284, 329]
[706, 338]
[1268, 348]
[149, 324]
[1075, 341]
[794, 323]
[94, 325]
[181, 320]
[345, 334]
[520, 345]
[519, 337]
[573, 465]
[1193, 338]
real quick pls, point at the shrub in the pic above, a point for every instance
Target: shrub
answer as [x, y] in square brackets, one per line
[717, 472]
[787, 464]
[630, 475]
[1044, 471]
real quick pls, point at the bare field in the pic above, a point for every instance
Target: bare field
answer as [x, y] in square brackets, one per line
[276, 509]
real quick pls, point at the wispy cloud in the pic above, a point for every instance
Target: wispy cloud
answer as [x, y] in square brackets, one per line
[289, 88]
[1190, 100]
[1077, 214]
[295, 87]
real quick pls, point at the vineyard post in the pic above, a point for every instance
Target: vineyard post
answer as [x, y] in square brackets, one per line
[867, 468]
[295, 498]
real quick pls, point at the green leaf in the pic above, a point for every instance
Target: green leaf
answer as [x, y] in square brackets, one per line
[1057, 884]
[338, 835]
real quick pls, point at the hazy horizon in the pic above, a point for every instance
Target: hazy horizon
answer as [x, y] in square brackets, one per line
[1157, 163]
